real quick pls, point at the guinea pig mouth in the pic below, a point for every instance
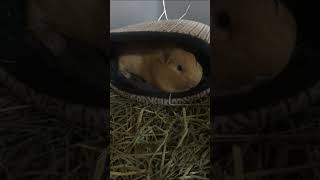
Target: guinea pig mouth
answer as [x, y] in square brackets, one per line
[192, 83]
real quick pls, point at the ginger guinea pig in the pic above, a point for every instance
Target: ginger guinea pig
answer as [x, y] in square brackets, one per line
[169, 69]
[84, 20]
[251, 38]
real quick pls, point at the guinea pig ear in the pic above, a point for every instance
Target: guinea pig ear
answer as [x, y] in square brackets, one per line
[164, 56]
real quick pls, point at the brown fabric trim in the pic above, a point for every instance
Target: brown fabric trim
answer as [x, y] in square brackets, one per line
[163, 101]
[256, 120]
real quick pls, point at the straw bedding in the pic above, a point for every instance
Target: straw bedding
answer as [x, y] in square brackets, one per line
[158, 142]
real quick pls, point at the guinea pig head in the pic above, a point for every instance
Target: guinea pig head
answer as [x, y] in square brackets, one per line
[82, 19]
[178, 70]
[251, 38]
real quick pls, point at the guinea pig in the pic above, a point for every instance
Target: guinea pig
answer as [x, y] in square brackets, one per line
[84, 20]
[168, 69]
[251, 39]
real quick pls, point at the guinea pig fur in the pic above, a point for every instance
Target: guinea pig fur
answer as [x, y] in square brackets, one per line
[252, 38]
[84, 20]
[169, 69]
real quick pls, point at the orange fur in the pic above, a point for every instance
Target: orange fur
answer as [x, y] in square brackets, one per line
[81, 19]
[258, 41]
[159, 67]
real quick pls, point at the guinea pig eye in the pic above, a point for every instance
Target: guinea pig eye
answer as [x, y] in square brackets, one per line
[179, 67]
[223, 20]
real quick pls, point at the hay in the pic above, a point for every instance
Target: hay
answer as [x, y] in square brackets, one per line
[36, 146]
[287, 153]
[157, 142]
